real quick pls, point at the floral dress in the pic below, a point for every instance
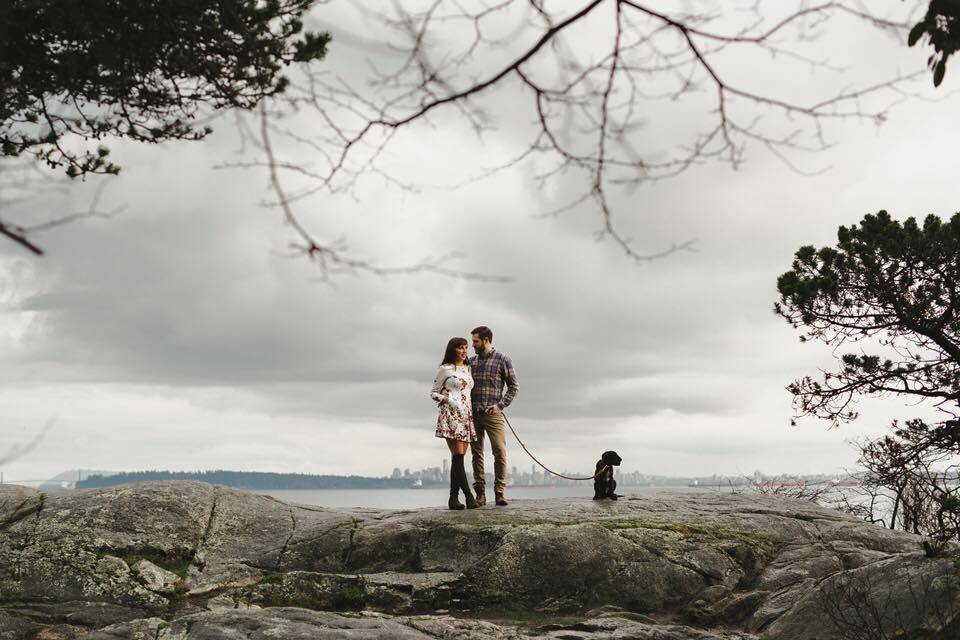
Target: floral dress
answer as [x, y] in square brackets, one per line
[455, 420]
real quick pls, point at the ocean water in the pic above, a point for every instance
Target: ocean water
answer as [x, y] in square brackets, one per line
[417, 498]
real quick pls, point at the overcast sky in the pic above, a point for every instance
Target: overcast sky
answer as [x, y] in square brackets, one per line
[179, 335]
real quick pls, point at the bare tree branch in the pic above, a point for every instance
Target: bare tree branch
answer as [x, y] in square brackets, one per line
[595, 72]
[21, 182]
[331, 257]
[20, 450]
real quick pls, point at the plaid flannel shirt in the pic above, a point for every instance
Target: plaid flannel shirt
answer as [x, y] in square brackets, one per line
[490, 373]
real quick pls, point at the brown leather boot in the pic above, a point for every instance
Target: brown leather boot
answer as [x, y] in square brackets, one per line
[481, 497]
[501, 501]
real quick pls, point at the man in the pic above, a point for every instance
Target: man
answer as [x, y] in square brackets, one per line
[491, 371]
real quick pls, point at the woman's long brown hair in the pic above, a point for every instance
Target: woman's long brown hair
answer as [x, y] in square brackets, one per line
[450, 355]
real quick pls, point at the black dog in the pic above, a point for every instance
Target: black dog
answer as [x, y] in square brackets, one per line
[604, 486]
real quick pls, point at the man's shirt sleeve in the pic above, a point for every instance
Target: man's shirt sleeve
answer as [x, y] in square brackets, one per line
[510, 378]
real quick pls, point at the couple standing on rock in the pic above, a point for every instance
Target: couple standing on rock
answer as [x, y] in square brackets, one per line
[470, 392]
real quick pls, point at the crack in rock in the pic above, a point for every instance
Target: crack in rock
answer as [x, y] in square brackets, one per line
[197, 561]
[709, 578]
[318, 536]
[18, 516]
[351, 544]
[286, 543]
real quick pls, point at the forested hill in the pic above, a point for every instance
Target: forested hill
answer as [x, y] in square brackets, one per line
[249, 480]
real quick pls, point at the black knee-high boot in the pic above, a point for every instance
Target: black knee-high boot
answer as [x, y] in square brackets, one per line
[461, 475]
[454, 503]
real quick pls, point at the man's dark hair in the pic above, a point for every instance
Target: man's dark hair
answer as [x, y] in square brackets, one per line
[483, 332]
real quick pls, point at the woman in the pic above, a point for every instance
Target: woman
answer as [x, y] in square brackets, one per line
[451, 389]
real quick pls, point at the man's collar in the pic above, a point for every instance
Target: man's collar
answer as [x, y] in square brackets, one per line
[487, 355]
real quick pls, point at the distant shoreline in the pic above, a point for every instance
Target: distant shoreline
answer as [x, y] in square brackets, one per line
[435, 479]
[252, 480]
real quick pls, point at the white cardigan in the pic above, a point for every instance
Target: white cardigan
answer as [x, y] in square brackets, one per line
[449, 377]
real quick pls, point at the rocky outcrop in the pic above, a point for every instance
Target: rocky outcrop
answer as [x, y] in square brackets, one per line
[190, 560]
[301, 624]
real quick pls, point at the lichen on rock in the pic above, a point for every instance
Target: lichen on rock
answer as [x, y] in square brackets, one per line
[180, 560]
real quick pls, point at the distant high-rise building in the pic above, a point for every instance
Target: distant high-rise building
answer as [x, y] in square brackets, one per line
[445, 469]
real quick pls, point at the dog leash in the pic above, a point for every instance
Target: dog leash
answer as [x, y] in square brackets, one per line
[534, 458]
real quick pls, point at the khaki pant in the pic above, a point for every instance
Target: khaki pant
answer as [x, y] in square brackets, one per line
[489, 424]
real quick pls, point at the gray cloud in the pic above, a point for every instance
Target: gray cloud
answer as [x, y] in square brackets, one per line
[182, 319]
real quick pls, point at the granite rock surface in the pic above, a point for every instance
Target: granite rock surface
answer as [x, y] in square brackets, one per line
[167, 560]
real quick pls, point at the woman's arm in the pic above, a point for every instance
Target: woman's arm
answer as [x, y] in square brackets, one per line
[438, 393]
